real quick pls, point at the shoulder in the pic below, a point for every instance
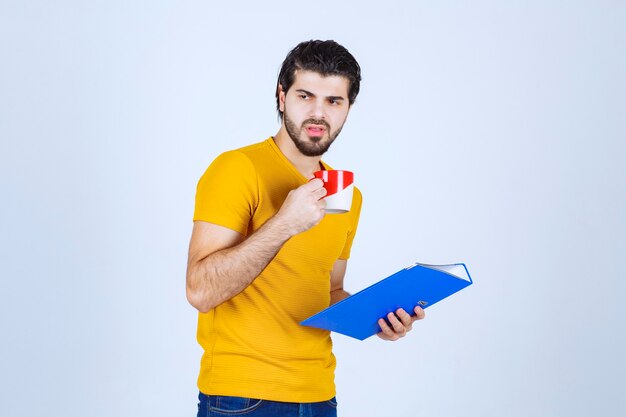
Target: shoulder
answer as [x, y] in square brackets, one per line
[245, 157]
[230, 168]
[229, 160]
[240, 160]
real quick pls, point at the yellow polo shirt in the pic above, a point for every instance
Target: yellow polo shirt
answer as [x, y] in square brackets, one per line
[253, 343]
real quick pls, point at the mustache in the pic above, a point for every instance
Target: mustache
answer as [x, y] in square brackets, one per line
[316, 122]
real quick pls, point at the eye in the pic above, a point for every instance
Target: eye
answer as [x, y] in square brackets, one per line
[334, 101]
[303, 96]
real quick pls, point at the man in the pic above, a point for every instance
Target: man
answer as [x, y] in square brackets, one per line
[264, 256]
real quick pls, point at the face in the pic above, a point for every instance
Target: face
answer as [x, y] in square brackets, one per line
[314, 110]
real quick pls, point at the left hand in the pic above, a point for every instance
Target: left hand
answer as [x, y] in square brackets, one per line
[401, 323]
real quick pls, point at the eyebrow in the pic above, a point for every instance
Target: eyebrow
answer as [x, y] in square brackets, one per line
[301, 90]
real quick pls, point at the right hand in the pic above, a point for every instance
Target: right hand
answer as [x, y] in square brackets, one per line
[303, 208]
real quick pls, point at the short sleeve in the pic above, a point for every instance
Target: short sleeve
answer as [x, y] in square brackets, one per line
[227, 192]
[355, 212]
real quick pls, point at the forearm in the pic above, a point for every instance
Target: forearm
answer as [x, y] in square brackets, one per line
[338, 295]
[225, 273]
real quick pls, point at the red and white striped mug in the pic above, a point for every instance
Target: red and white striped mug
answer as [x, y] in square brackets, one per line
[339, 186]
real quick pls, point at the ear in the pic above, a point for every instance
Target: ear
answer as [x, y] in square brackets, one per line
[281, 98]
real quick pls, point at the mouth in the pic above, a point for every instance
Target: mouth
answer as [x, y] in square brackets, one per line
[315, 130]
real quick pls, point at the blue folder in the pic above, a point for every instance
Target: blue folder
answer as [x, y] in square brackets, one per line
[419, 284]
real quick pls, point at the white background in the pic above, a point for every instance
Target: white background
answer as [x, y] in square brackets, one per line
[491, 133]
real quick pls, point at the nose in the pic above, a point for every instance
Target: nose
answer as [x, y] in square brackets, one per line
[318, 110]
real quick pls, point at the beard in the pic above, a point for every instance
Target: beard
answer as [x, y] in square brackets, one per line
[312, 146]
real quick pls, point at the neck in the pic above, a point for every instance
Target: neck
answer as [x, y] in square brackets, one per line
[306, 165]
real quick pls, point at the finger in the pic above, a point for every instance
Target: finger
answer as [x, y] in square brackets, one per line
[419, 313]
[319, 193]
[397, 325]
[314, 184]
[386, 331]
[404, 317]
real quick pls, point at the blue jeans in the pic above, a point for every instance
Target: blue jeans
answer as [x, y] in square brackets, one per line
[223, 406]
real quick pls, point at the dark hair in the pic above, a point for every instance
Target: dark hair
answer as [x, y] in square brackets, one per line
[323, 57]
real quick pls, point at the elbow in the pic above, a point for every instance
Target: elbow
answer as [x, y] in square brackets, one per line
[195, 294]
[198, 301]
[198, 297]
